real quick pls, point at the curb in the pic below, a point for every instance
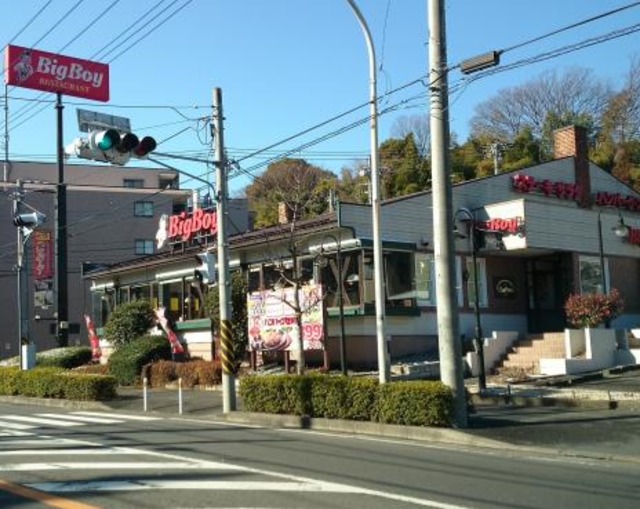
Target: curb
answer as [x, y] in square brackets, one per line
[58, 403]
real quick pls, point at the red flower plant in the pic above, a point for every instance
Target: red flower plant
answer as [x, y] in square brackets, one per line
[593, 309]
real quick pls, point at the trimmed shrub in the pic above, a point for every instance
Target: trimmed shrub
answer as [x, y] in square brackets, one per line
[9, 381]
[287, 394]
[419, 403]
[67, 357]
[414, 404]
[202, 373]
[126, 363]
[56, 383]
[93, 369]
[128, 322]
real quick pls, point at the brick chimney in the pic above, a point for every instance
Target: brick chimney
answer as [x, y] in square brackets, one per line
[571, 141]
[284, 213]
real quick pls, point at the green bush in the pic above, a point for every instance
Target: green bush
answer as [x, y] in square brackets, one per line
[56, 383]
[126, 363]
[128, 322]
[406, 403]
[68, 357]
[415, 404]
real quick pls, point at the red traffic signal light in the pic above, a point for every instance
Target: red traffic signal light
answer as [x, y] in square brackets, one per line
[146, 146]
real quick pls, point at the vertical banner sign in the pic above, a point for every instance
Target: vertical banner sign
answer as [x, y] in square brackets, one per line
[272, 319]
[96, 352]
[42, 255]
[50, 72]
[161, 317]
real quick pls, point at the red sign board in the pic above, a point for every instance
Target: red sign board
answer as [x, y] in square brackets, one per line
[42, 255]
[50, 72]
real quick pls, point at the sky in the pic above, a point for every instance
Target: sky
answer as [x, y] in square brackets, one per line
[286, 67]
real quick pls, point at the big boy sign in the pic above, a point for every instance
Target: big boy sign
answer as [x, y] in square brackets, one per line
[50, 72]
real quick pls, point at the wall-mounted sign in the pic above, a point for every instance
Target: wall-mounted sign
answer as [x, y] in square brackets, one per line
[634, 236]
[504, 287]
[50, 72]
[186, 226]
[511, 225]
[617, 200]
[562, 190]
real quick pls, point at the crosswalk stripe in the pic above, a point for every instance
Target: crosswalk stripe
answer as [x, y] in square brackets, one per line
[119, 416]
[82, 418]
[107, 465]
[69, 452]
[37, 420]
[14, 426]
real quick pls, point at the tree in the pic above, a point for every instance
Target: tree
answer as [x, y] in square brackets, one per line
[403, 170]
[129, 321]
[300, 186]
[549, 99]
[418, 126]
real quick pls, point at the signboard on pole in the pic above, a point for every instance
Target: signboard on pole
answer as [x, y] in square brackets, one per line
[272, 319]
[50, 72]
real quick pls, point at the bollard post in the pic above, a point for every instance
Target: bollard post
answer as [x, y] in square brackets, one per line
[145, 381]
[180, 396]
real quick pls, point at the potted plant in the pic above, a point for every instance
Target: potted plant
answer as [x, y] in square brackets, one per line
[593, 309]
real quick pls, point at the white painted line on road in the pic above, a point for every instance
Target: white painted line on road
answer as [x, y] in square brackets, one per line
[40, 441]
[37, 420]
[83, 418]
[64, 452]
[306, 486]
[14, 426]
[125, 417]
[114, 465]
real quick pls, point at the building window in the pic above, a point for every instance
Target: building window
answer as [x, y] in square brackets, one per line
[591, 274]
[143, 209]
[137, 183]
[425, 279]
[143, 247]
[482, 282]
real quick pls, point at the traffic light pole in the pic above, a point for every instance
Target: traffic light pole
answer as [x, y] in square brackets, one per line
[61, 283]
[224, 283]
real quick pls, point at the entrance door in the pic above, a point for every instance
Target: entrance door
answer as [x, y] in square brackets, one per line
[548, 280]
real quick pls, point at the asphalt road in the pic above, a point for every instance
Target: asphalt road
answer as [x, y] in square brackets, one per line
[137, 460]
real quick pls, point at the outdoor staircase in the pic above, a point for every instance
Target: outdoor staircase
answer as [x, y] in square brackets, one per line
[524, 356]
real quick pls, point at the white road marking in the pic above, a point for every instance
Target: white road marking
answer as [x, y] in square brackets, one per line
[125, 417]
[14, 426]
[83, 418]
[113, 465]
[38, 420]
[64, 452]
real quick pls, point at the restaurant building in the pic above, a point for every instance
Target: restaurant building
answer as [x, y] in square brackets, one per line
[540, 234]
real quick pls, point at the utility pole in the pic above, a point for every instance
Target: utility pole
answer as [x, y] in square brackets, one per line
[224, 282]
[23, 300]
[449, 341]
[61, 283]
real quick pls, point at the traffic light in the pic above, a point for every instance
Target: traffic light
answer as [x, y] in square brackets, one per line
[111, 146]
[29, 219]
[205, 272]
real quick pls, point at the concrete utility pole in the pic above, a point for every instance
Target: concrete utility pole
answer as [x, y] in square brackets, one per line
[23, 300]
[448, 322]
[224, 282]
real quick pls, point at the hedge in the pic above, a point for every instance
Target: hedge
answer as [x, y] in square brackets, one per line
[68, 357]
[192, 373]
[56, 383]
[127, 361]
[419, 403]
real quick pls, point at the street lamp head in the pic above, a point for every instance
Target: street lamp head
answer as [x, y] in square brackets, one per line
[621, 230]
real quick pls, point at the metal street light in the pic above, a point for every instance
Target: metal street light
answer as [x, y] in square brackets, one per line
[621, 230]
[343, 346]
[381, 342]
[478, 340]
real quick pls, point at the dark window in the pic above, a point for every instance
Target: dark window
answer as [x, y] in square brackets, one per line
[137, 183]
[143, 247]
[143, 209]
